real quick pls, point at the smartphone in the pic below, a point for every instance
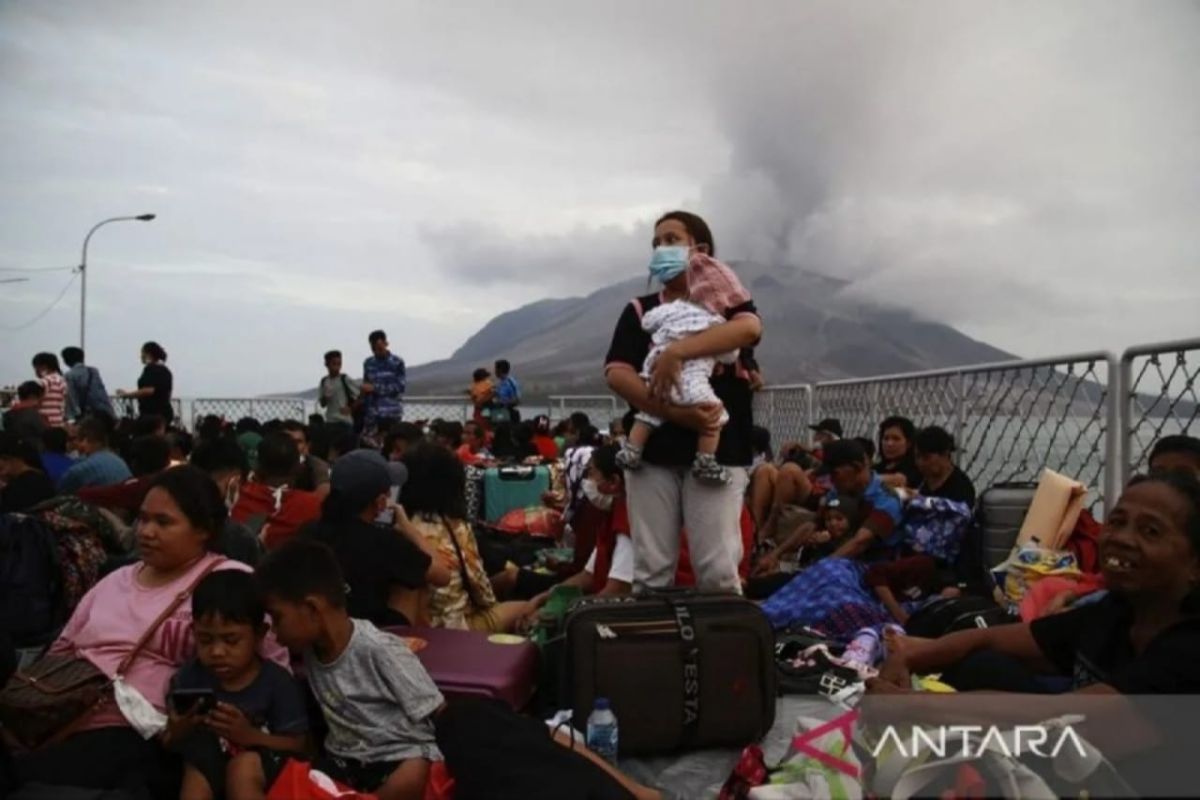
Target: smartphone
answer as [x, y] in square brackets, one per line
[200, 701]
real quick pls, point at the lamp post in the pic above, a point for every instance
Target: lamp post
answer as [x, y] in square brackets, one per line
[83, 269]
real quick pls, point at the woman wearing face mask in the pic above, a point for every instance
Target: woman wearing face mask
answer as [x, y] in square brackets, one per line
[609, 569]
[154, 386]
[664, 494]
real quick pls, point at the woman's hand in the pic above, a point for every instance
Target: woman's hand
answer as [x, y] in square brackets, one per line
[664, 377]
[704, 419]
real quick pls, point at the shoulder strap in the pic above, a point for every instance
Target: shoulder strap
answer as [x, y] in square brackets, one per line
[167, 612]
[350, 396]
[462, 567]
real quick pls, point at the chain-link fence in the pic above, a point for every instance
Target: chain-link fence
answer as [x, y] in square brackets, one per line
[600, 408]
[786, 411]
[1010, 420]
[1160, 396]
[128, 407]
[451, 408]
[262, 409]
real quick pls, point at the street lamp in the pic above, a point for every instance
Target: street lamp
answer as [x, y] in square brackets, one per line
[83, 269]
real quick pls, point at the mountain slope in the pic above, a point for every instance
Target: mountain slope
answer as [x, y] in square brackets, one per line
[812, 331]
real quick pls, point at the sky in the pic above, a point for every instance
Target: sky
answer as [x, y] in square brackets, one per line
[1028, 172]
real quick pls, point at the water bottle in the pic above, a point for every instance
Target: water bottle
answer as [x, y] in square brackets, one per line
[602, 731]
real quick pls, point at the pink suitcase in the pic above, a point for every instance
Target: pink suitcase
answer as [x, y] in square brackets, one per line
[466, 664]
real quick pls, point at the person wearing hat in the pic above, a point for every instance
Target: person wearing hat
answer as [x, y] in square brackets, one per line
[388, 568]
[826, 432]
[879, 508]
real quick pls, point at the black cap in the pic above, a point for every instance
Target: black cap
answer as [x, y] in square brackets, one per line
[360, 478]
[843, 452]
[828, 426]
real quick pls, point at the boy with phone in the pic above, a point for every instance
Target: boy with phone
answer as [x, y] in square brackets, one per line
[377, 699]
[227, 707]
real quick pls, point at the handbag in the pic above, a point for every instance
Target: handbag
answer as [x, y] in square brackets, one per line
[50, 700]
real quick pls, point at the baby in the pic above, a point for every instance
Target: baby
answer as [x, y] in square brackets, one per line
[713, 290]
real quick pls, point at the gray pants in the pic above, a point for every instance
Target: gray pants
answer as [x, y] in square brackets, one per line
[664, 500]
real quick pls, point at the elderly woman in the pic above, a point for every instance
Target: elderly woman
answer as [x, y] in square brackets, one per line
[180, 521]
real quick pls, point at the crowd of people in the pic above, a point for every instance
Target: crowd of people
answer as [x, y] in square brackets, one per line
[249, 540]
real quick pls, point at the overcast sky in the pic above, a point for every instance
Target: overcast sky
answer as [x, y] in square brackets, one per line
[1027, 171]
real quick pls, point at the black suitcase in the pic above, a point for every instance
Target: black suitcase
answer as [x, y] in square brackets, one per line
[998, 517]
[949, 614]
[682, 669]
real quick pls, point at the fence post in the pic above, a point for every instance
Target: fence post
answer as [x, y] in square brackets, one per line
[960, 417]
[876, 415]
[1123, 398]
[809, 419]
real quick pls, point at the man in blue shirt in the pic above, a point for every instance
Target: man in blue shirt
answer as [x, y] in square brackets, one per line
[879, 508]
[383, 384]
[99, 465]
[85, 388]
[508, 394]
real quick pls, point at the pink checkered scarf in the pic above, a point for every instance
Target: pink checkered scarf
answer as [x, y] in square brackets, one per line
[714, 285]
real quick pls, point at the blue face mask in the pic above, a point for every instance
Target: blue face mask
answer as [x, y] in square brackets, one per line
[668, 262]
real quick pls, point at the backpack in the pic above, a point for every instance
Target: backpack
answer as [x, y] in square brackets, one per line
[84, 539]
[30, 580]
[948, 614]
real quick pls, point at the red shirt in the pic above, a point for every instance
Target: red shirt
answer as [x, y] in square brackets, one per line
[606, 542]
[281, 512]
[469, 458]
[546, 446]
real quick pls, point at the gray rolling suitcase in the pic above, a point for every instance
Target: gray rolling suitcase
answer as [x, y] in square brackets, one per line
[998, 516]
[1002, 509]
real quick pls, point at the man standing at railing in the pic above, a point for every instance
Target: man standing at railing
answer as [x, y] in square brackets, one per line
[383, 384]
[508, 394]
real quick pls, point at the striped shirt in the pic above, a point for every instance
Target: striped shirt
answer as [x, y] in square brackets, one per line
[55, 400]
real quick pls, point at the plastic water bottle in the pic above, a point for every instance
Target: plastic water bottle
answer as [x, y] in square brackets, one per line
[602, 731]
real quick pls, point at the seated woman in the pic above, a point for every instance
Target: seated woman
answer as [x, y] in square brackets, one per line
[180, 520]
[1142, 638]
[608, 571]
[939, 475]
[897, 463]
[389, 568]
[434, 499]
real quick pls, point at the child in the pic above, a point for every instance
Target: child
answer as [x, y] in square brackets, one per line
[482, 392]
[258, 704]
[377, 699]
[831, 524]
[713, 290]
[911, 578]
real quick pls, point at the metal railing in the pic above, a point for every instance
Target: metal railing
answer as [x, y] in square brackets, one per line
[259, 408]
[127, 407]
[1010, 419]
[786, 411]
[1085, 415]
[600, 408]
[448, 407]
[1160, 396]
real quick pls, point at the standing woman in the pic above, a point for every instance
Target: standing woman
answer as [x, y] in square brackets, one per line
[154, 386]
[663, 496]
[897, 465]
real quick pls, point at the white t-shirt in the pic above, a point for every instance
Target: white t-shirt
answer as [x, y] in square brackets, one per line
[622, 561]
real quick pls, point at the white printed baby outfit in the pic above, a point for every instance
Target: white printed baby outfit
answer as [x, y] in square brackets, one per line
[671, 322]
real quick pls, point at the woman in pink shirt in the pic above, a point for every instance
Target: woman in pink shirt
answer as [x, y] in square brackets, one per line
[178, 525]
